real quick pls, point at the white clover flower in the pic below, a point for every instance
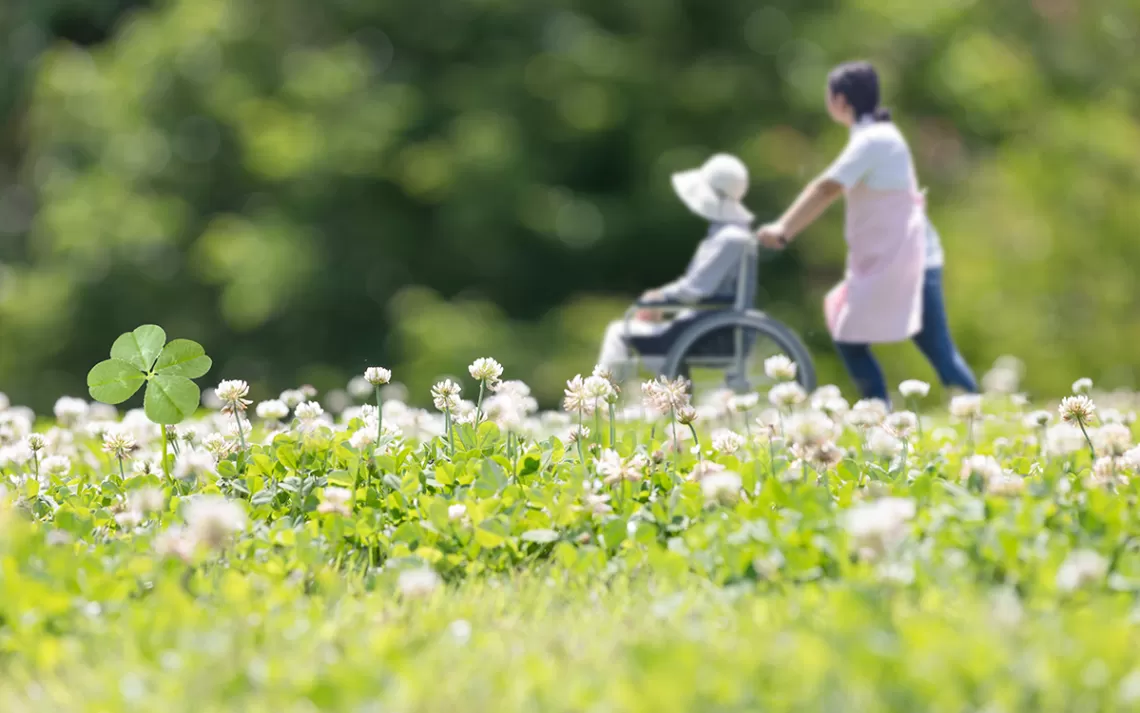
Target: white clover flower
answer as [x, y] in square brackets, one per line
[1112, 439]
[1063, 439]
[786, 395]
[418, 583]
[1038, 419]
[377, 376]
[192, 463]
[175, 542]
[883, 444]
[338, 500]
[69, 411]
[36, 442]
[686, 415]
[1006, 484]
[578, 433]
[56, 466]
[1077, 409]
[985, 467]
[212, 519]
[665, 396]
[743, 403]
[879, 526]
[827, 455]
[705, 468]
[834, 408]
[445, 395]
[308, 412]
[1131, 459]
[1083, 386]
[600, 389]
[486, 370]
[119, 443]
[966, 407]
[1081, 568]
[727, 442]
[146, 500]
[360, 388]
[146, 464]
[232, 394]
[902, 423]
[292, 398]
[218, 446]
[823, 394]
[612, 468]
[914, 389]
[362, 438]
[811, 429]
[18, 454]
[598, 503]
[129, 519]
[575, 399]
[780, 368]
[721, 488]
[867, 414]
[455, 512]
[272, 410]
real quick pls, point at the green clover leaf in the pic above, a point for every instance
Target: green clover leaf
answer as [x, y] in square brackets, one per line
[138, 358]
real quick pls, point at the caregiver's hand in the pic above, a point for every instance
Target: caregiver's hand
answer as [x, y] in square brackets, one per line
[773, 235]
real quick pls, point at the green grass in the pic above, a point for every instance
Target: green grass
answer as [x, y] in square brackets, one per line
[769, 601]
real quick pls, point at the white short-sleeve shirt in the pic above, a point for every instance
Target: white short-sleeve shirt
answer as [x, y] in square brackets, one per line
[878, 156]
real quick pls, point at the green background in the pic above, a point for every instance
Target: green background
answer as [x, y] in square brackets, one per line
[307, 188]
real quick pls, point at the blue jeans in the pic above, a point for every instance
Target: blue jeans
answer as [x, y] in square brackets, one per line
[934, 340]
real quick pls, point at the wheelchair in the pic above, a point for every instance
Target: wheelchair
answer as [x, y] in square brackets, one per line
[721, 342]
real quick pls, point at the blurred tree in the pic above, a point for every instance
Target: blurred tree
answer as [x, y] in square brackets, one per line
[269, 178]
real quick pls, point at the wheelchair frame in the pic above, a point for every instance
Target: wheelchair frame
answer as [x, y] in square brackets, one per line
[714, 315]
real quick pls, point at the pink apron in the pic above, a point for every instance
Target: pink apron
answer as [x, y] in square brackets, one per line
[880, 299]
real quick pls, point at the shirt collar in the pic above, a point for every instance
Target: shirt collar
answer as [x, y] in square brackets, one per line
[863, 122]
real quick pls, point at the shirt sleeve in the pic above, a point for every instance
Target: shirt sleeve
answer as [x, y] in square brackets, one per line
[708, 270]
[854, 163]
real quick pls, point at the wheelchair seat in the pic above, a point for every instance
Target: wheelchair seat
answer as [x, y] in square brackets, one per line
[717, 345]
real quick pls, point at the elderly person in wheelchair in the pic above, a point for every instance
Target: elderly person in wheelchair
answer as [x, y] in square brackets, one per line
[705, 318]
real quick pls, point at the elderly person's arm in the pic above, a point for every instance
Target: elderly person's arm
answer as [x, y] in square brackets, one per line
[707, 272]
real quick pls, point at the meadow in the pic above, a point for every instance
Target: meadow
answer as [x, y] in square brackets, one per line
[635, 550]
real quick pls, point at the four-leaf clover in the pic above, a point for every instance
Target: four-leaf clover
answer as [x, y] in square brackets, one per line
[139, 357]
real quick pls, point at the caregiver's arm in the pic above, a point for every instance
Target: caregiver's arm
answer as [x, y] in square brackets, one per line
[812, 201]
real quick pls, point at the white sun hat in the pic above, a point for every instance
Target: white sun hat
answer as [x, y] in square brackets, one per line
[714, 190]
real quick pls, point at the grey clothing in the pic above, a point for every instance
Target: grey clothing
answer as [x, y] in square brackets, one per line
[715, 266]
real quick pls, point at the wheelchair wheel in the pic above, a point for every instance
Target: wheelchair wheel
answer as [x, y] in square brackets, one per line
[728, 350]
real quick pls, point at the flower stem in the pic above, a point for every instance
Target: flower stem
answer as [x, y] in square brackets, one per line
[479, 408]
[122, 475]
[450, 438]
[165, 467]
[241, 434]
[700, 457]
[1092, 449]
[676, 442]
[379, 416]
[613, 431]
[917, 417]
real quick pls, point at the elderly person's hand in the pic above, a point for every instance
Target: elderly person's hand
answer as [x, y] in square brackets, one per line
[651, 315]
[773, 235]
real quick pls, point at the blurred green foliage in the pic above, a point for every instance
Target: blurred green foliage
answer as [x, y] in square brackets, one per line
[308, 188]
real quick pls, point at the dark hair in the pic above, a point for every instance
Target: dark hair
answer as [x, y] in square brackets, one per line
[858, 83]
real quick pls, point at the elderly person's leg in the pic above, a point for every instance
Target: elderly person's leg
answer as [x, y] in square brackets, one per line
[615, 353]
